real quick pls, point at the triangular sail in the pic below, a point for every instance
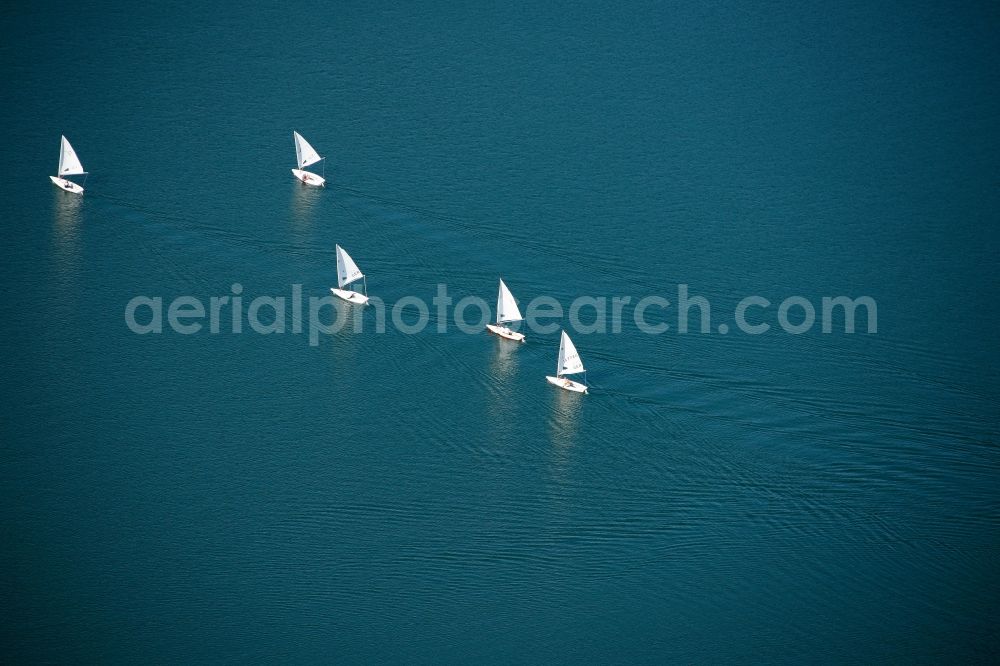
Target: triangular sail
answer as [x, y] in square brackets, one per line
[569, 360]
[304, 153]
[506, 306]
[347, 270]
[69, 163]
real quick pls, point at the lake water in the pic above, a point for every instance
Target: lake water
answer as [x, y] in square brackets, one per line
[429, 498]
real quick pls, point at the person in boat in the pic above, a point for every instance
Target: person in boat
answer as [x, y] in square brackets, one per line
[567, 383]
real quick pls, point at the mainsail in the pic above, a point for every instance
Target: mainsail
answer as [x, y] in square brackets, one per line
[304, 153]
[347, 270]
[506, 306]
[69, 163]
[569, 361]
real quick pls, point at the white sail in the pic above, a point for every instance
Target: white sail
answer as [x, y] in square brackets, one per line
[569, 361]
[347, 270]
[304, 153]
[69, 163]
[506, 306]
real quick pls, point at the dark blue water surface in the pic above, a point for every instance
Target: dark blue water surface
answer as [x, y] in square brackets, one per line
[429, 498]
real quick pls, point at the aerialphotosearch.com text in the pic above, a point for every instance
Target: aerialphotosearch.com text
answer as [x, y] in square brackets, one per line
[317, 316]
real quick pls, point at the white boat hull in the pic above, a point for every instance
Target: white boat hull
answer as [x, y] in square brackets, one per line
[505, 332]
[567, 384]
[309, 178]
[67, 185]
[350, 296]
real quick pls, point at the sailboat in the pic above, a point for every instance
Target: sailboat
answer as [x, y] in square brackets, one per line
[506, 312]
[569, 363]
[347, 273]
[69, 165]
[306, 155]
